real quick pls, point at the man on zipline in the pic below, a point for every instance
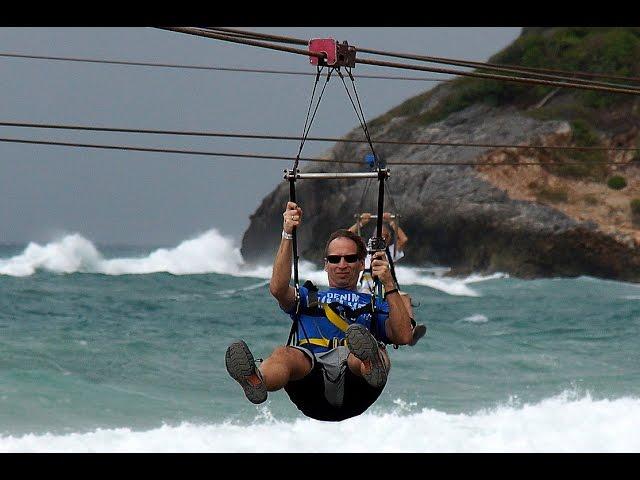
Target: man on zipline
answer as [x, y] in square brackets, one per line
[339, 366]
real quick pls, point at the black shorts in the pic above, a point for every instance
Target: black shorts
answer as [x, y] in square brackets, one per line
[308, 395]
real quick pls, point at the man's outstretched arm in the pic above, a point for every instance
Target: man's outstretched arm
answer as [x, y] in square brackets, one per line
[360, 222]
[279, 286]
[398, 325]
[401, 237]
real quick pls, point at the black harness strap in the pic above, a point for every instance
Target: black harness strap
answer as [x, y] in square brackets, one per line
[392, 267]
[315, 309]
[376, 280]
[293, 334]
[359, 114]
[382, 175]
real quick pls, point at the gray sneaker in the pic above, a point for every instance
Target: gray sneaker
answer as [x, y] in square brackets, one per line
[361, 343]
[242, 367]
[419, 331]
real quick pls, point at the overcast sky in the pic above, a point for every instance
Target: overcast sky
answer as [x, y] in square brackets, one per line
[132, 198]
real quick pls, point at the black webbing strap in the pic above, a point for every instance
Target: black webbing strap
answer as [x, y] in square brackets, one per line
[392, 267]
[293, 333]
[382, 175]
[381, 179]
[359, 113]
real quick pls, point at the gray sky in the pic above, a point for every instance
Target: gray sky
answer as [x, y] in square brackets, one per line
[133, 198]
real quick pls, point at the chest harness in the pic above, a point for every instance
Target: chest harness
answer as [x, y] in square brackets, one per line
[341, 316]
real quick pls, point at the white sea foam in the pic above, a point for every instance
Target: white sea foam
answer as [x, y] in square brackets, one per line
[476, 278]
[559, 424]
[476, 318]
[209, 252]
[73, 253]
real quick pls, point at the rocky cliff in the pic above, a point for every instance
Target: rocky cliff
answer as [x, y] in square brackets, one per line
[527, 220]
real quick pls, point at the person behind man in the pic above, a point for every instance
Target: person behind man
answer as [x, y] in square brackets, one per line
[395, 239]
[338, 368]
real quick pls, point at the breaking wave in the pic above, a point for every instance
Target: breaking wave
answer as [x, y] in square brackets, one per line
[209, 252]
[562, 423]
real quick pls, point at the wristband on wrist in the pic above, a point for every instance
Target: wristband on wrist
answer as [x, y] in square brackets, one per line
[287, 236]
[393, 290]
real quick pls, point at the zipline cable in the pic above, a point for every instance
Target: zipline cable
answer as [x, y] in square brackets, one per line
[201, 133]
[282, 157]
[530, 81]
[206, 67]
[482, 66]
[566, 74]
[504, 78]
[227, 38]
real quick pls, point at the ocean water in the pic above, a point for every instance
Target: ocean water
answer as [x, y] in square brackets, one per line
[122, 350]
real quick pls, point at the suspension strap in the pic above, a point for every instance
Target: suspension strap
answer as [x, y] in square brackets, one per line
[394, 207]
[293, 333]
[294, 242]
[382, 174]
[292, 178]
[307, 122]
[381, 179]
[359, 113]
[392, 267]
[364, 122]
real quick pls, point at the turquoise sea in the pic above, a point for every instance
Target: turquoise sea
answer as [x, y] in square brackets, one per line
[122, 349]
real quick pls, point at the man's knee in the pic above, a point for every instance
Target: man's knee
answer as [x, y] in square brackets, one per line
[298, 363]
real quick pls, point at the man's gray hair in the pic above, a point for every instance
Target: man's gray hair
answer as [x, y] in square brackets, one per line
[361, 246]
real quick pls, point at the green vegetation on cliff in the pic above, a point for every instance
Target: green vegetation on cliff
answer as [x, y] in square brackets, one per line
[612, 50]
[617, 182]
[582, 163]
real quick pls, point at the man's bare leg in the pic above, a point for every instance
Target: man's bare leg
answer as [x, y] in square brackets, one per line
[284, 365]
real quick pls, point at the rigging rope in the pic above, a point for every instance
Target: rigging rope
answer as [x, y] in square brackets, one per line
[302, 159]
[541, 72]
[314, 139]
[207, 67]
[531, 81]
[363, 123]
[308, 128]
[293, 333]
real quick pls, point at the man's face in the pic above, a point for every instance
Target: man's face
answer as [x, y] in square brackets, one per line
[343, 274]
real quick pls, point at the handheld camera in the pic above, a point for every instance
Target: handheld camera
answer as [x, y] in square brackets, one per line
[375, 244]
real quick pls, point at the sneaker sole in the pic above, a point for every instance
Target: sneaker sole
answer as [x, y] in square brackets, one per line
[418, 332]
[241, 365]
[362, 344]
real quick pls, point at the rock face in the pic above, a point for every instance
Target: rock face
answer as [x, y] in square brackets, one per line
[465, 216]
[452, 216]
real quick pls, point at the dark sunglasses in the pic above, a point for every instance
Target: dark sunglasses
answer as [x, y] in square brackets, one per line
[353, 258]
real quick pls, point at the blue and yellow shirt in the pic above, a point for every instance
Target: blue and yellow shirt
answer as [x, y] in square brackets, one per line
[321, 331]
